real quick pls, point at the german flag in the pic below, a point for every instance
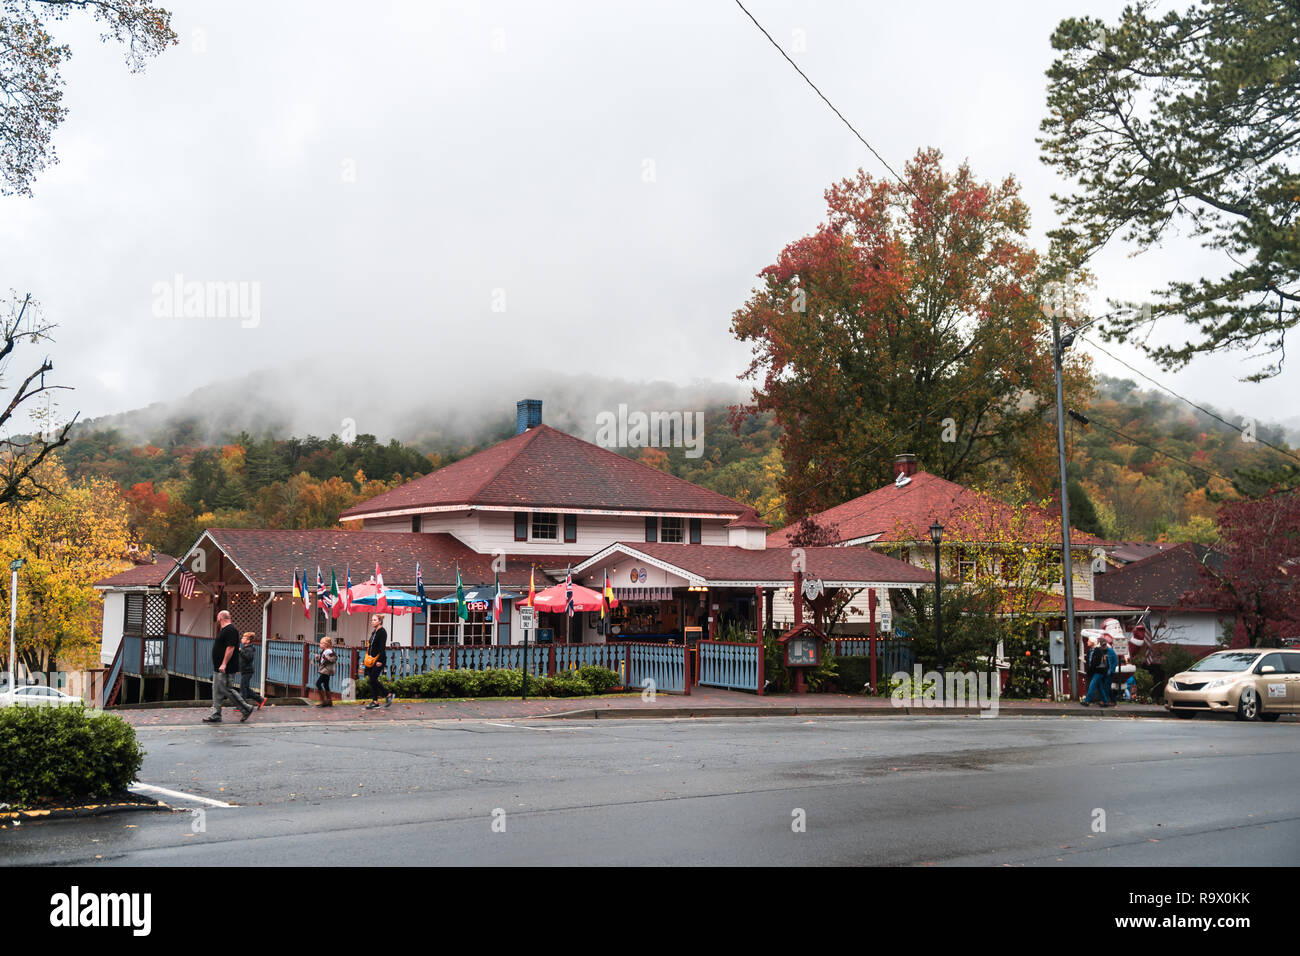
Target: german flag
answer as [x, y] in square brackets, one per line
[606, 596]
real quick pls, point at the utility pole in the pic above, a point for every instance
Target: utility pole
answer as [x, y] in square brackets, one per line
[13, 618]
[1067, 572]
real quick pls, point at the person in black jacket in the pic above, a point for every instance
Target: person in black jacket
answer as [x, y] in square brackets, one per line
[247, 662]
[377, 652]
[225, 664]
[1097, 674]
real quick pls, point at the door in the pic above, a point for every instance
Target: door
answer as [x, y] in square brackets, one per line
[1274, 689]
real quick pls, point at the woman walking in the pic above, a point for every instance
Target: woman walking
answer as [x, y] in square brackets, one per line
[376, 660]
[326, 661]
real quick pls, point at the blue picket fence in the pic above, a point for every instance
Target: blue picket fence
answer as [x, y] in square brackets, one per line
[730, 665]
[664, 664]
[891, 655]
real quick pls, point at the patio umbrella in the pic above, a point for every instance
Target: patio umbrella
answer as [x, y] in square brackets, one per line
[472, 595]
[584, 599]
[399, 602]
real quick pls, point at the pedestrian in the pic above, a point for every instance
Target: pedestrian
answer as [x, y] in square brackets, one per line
[247, 660]
[1096, 673]
[1131, 687]
[225, 661]
[325, 664]
[376, 659]
[1112, 667]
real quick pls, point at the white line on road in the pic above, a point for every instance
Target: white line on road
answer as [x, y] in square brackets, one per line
[493, 723]
[177, 795]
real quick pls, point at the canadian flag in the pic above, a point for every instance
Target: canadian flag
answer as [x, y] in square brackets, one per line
[381, 603]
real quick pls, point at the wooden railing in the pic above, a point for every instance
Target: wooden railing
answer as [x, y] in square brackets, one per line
[736, 666]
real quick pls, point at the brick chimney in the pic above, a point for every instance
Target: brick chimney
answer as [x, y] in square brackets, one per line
[528, 414]
[904, 465]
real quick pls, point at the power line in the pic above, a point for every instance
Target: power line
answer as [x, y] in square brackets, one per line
[1199, 408]
[1135, 441]
[860, 137]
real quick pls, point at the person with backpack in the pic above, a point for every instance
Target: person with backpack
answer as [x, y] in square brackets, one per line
[1096, 672]
[376, 660]
[326, 661]
[247, 661]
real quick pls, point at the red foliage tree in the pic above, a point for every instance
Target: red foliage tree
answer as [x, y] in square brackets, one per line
[1260, 539]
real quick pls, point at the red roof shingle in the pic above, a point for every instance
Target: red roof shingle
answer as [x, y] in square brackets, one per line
[545, 468]
[898, 514]
[1161, 579]
[142, 575]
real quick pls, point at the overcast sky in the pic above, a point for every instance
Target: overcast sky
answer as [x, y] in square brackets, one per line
[459, 189]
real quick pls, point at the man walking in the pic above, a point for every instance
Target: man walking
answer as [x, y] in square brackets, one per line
[376, 659]
[225, 662]
[247, 662]
[1096, 674]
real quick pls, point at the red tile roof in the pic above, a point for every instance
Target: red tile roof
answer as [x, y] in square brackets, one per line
[142, 575]
[1161, 579]
[904, 514]
[268, 558]
[545, 468]
[718, 563]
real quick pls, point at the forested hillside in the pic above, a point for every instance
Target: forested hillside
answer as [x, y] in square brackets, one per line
[1146, 466]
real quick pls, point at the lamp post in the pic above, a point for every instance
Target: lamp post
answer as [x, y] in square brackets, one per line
[14, 565]
[936, 535]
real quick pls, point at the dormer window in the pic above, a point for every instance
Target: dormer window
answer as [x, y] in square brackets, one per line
[545, 525]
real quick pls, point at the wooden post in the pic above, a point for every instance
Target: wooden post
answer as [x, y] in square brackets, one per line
[871, 604]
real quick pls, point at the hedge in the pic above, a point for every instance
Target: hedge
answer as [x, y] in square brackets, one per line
[64, 755]
[496, 682]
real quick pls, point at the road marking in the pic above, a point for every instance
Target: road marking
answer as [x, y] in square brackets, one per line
[493, 723]
[178, 795]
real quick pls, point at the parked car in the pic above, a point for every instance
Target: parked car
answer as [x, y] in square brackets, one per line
[1258, 684]
[36, 695]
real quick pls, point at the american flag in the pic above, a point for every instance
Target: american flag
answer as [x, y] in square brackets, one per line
[188, 582]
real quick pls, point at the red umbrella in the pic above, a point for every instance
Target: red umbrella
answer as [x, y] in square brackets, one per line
[584, 599]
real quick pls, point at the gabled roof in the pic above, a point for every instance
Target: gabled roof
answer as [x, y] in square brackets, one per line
[545, 468]
[142, 575]
[903, 513]
[1160, 580]
[268, 558]
[718, 565]
[749, 519]
[1126, 552]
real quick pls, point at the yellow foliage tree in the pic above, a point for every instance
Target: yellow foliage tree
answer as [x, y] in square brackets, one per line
[70, 537]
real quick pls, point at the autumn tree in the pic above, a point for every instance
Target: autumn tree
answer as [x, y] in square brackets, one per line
[908, 322]
[31, 84]
[70, 537]
[1257, 580]
[1187, 121]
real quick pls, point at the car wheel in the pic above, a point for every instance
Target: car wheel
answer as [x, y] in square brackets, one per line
[1248, 705]
[1185, 714]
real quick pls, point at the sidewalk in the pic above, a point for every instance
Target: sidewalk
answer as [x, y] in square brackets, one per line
[702, 702]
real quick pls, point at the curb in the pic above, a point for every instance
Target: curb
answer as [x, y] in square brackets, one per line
[192, 704]
[815, 711]
[89, 810]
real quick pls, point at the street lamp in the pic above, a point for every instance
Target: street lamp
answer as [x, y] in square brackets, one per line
[936, 535]
[14, 565]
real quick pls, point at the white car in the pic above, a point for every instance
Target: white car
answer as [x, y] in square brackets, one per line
[37, 695]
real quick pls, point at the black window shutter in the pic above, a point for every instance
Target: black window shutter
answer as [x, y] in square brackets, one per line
[651, 529]
[521, 525]
[570, 527]
[415, 523]
[696, 530]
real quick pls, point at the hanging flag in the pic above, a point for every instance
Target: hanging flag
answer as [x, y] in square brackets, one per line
[322, 597]
[496, 603]
[306, 596]
[336, 602]
[188, 583]
[347, 593]
[606, 597]
[419, 584]
[381, 602]
[532, 591]
[568, 591]
[297, 591]
[462, 609]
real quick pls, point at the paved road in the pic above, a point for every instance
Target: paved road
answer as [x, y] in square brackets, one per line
[894, 791]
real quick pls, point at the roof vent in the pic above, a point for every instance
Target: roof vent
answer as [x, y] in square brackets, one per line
[528, 414]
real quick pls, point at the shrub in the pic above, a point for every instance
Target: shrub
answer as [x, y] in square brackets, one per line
[853, 674]
[601, 679]
[50, 754]
[568, 686]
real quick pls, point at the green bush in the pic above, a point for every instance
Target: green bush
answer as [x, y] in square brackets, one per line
[496, 682]
[853, 674]
[64, 754]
